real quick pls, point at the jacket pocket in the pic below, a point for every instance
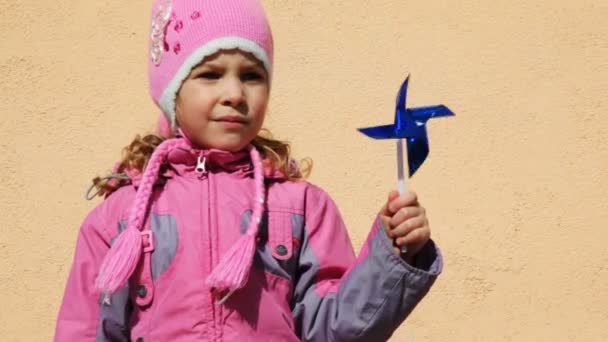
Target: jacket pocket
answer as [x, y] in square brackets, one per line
[280, 235]
[275, 247]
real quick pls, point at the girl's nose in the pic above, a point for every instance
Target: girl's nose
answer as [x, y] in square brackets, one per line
[233, 94]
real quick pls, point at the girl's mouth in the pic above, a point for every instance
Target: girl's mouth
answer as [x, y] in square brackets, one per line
[231, 122]
[232, 118]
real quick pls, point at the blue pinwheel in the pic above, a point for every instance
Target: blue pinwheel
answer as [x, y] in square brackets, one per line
[410, 125]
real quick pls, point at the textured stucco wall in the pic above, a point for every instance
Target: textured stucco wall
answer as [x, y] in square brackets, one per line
[515, 185]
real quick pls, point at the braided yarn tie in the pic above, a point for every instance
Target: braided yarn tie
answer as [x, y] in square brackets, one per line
[232, 272]
[123, 256]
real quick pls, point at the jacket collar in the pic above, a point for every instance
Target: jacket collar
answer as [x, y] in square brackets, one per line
[185, 160]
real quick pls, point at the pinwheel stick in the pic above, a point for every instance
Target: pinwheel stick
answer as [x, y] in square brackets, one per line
[400, 177]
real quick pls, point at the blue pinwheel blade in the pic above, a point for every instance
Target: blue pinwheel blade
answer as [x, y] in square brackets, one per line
[402, 94]
[417, 151]
[379, 132]
[425, 113]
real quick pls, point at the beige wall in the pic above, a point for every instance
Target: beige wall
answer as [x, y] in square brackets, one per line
[515, 186]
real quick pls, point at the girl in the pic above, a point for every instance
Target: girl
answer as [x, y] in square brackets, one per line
[210, 233]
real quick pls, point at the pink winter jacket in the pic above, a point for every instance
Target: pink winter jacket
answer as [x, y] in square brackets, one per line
[305, 285]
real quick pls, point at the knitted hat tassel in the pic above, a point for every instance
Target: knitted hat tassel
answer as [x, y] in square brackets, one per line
[232, 272]
[123, 256]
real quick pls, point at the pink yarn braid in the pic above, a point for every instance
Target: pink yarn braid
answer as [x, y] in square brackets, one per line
[123, 256]
[232, 272]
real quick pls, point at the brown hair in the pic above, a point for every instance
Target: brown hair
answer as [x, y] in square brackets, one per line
[135, 156]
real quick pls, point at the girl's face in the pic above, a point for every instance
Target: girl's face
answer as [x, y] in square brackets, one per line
[223, 101]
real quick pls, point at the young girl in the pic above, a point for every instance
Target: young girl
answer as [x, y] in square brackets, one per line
[210, 233]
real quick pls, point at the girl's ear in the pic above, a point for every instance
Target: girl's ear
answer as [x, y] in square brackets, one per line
[177, 128]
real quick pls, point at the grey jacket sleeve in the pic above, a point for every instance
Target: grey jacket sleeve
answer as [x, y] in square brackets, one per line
[340, 298]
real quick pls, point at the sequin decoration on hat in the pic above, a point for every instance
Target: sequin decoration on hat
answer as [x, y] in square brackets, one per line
[159, 25]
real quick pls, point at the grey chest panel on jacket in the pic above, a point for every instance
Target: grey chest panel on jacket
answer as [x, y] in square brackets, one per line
[264, 257]
[166, 240]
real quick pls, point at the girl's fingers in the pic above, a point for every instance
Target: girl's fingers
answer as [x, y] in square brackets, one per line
[407, 226]
[405, 214]
[406, 199]
[384, 214]
[416, 237]
[386, 223]
[384, 211]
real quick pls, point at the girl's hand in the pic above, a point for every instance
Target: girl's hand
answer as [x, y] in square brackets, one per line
[405, 222]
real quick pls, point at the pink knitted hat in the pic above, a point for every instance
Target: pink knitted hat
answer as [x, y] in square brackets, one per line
[185, 32]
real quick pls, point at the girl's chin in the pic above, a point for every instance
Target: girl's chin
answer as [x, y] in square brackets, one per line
[229, 145]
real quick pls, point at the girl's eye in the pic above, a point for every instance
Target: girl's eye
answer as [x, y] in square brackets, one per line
[252, 76]
[210, 75]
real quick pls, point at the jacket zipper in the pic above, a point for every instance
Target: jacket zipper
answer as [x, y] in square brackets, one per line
[207, 255]
[201, 170]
